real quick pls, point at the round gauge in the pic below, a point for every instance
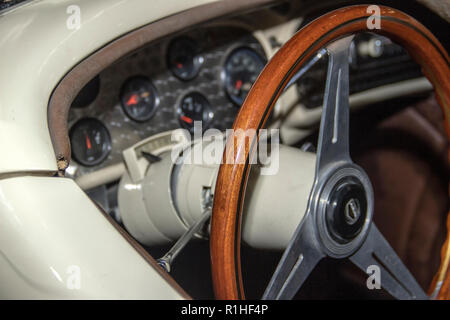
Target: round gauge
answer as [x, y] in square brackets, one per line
[242, 67]
[184, 58]
[90, 141]
[194, 107]
[139, 99]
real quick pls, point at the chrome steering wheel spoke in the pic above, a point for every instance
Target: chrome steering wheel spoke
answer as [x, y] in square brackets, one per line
[297, 262]
[338, 219]
[304, 250]
[395, 278]
[333, 144]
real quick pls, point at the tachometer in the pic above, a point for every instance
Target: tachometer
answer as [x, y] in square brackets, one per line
[194, 107]
[139, 99]
[242, 67]
[184, 58]
[90, 141]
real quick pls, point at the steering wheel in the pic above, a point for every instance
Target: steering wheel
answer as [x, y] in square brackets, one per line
[338, 220]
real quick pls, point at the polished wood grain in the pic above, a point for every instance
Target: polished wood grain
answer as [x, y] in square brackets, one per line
[232, 178]
[440, 287]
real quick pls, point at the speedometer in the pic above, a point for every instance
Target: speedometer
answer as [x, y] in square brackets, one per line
[242, 67]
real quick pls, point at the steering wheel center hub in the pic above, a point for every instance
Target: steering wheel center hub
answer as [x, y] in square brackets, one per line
[352, 211]
[344, 210]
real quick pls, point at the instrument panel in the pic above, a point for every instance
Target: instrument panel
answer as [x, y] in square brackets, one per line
[204, 75]
[197, 76]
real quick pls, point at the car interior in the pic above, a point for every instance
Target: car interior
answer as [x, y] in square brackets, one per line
[204, 72]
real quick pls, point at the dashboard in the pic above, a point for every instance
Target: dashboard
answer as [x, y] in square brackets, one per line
[130, 70]
[202, 76]
[197, 76]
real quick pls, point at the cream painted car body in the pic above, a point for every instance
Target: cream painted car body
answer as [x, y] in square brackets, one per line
[50, 232]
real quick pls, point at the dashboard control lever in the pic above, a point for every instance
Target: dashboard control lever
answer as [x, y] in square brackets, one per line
[166, 261]
[150, 157]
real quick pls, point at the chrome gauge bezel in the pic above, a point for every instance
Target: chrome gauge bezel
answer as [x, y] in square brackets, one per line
[225, 74]
[206, 120]
[155, 100]
[197, 57]
[106, 144]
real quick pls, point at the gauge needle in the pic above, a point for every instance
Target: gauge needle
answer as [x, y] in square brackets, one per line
[179, 65]
[150, 157]
[132, 100]
[186, 119]
[145, 94]
[238, 84]
[88, 142]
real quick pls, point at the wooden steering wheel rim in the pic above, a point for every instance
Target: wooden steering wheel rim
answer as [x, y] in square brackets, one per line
[233, 174]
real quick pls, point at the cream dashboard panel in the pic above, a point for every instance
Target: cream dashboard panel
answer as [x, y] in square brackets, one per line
[39, 46]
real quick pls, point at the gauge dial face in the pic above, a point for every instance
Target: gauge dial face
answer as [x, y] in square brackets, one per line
[194, 107]
[242, 67]
[90, 141]
[139, 99]
[184, 58]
